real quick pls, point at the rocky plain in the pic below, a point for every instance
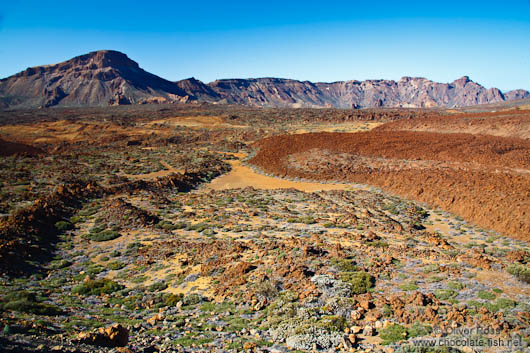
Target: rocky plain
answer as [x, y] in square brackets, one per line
[222, 228]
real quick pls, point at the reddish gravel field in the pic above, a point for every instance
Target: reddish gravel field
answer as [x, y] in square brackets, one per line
[485, 179]
[509, 123]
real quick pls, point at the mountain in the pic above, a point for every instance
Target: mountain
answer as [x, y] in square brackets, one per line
[99, 78]
[411, 92]
[109, 77]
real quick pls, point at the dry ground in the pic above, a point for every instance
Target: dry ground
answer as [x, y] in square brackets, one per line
[151, 218]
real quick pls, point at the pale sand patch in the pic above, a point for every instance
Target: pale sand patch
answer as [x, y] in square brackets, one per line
[344, 127]
[194, 122]
[503, 280]
[242, 176]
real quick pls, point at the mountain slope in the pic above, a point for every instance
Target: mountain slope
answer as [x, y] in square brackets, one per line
[99, 78]
[410, 92]
[109, 77]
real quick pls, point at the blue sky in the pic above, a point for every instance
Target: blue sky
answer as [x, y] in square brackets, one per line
[306, 40]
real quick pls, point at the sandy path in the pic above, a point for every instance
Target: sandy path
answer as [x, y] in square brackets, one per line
[242, 176]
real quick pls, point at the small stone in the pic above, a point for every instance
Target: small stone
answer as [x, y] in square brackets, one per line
[356, 315]
[249, 345]
[368, 331]
[356, 329]
[352, 338]
[378, 324]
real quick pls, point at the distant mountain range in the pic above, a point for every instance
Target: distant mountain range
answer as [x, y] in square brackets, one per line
[109, 77]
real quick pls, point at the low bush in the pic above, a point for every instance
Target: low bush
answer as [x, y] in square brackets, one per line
[97, 287]
[104, 235]
[444, 294]
[173, 299]
[392, 333]
[418, 330]
[115, 265]
[408, 286]
[360, 281]
[157, 287]
[345, 265]
[522, 272]
[63, 226]
[486, 295]
[29, 303]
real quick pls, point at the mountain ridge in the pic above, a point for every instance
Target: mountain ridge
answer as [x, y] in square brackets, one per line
[109, 77]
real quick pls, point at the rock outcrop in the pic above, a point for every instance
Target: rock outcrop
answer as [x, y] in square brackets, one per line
[109, 77]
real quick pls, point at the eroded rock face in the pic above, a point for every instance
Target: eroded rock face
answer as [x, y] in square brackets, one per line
[109, 77]
[408, 92]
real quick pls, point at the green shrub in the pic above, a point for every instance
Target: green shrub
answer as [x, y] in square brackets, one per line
[332, 323]
[418, 330]
[360, 281]
[266, 289]
[58, 264]
[63, 226]
[392, 333]
[115, 253]
[431, 268]
[173, 299]
[199, 227]
[76, 219]
[192, 299]
[387, 311]
[505, 303]
[169, 226]
[522, 272]
[115, 265]
[94, 269]
[104, 235]
[444, 294]
[157, 287]
[27, 302]
[307, 220]
[408, 286]
[455, 285]
[97, 287]
[486, 295]
[345, 265]
[378, 244]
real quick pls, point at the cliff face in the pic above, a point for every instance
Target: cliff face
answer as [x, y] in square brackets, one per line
[109, 77]
[407, 92]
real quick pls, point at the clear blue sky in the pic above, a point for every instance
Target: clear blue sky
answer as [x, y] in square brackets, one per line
[305, 40]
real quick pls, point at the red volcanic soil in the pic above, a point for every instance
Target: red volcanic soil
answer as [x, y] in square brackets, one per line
[509, 123]
[485, 179]
[10, 148]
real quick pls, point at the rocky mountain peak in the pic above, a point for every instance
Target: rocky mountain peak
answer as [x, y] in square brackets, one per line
[462, 81]
[105, 58]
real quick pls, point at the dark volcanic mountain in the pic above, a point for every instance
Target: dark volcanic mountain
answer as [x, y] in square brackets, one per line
[99, 78]
[110, 77]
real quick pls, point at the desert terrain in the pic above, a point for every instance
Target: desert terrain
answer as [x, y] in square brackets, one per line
[223, 228]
